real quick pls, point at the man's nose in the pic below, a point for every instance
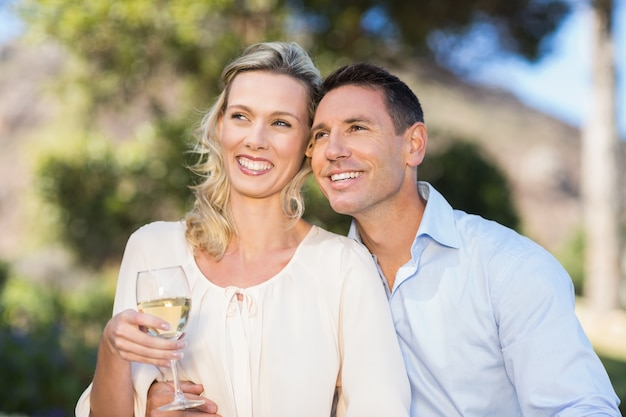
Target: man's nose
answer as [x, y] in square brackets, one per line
[337, 147]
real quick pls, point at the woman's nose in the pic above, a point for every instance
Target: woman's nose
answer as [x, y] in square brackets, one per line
[256, 138]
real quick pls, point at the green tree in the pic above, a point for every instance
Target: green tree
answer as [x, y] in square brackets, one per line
[45, 359]
[102, 197]
[361, 28]
[142, 65]
[468, 178]
[471, 182]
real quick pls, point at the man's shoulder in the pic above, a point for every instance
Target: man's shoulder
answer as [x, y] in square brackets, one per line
[491, 236]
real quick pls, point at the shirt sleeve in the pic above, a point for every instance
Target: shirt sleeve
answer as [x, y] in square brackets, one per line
[373, 377]
[143, 375]
[547, 355]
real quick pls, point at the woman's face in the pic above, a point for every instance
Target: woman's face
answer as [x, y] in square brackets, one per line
[264, 132]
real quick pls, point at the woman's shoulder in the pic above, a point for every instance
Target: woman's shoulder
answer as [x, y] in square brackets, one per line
[161, 242]
[331, 241]
[319, 234]
[159, 232]
[160, 228]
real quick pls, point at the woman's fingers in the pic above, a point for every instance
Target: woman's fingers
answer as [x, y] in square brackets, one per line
[124, 334]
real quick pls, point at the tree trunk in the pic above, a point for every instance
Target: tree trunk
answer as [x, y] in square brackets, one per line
[601, 172]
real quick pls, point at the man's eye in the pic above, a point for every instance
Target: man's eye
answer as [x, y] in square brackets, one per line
[319, 135]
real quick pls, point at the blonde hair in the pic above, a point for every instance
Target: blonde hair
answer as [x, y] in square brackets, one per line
[210, 224]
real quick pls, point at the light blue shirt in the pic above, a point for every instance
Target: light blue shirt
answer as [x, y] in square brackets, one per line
[486, 323]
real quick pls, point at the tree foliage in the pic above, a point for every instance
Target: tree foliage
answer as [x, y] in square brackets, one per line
[468, 179]
[358, 28]
[142, 63]
[471, 182]
[45, 359]
[135, 48]
[103, 195]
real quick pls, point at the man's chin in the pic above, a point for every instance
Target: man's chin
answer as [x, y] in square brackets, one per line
[343, 207]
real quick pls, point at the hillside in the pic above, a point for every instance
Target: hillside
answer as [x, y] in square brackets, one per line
[24, 108]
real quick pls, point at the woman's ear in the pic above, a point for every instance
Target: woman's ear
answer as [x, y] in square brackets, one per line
[417, 137]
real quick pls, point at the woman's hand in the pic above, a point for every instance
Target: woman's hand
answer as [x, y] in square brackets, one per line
[125, 335]
[161, 393]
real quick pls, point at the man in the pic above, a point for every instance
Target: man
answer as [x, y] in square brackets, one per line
[484, 316]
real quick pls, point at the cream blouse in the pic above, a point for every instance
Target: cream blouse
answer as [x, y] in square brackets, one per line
[321, 322]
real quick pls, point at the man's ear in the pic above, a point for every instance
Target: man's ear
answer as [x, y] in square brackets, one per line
[309, 148]
[417, 137]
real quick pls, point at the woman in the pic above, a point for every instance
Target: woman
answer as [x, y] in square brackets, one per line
[283, 312]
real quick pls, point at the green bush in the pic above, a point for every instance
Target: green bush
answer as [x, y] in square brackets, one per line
[47, 347]
[101, 195]
[462, 173]
[471, 182]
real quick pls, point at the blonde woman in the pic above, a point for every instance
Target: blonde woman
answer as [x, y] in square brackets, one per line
[284, 314]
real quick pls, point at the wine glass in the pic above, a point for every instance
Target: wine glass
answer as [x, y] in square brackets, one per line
[165, 293]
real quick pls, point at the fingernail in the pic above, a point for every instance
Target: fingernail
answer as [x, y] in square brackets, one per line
[165, 326]
[181, 344]
[177, 355]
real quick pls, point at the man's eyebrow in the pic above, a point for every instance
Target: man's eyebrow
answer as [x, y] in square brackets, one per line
[318, 126]
[357, 119]
[351, 120]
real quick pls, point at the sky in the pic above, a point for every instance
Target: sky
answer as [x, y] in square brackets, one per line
[558, 85]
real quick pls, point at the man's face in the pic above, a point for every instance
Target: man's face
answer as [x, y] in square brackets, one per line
[358, 160]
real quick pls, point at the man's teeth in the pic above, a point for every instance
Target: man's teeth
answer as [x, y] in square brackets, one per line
[345, 176]
[254, 165]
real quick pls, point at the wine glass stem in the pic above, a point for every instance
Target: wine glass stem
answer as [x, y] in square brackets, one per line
[178, 392]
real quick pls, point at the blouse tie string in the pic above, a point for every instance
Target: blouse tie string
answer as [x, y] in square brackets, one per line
[241, 307]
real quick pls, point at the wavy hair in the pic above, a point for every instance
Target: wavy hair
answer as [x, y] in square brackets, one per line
[210, 224]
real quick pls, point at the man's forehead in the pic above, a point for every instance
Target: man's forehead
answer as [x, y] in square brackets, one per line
[351, 90]
[351, 101]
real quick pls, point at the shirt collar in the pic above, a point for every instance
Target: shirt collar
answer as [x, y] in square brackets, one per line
[438, 221]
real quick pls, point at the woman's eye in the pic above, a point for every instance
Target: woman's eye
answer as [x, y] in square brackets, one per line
[282, 123]
[237, 116]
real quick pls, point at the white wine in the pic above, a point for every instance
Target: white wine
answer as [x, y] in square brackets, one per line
[173, 310]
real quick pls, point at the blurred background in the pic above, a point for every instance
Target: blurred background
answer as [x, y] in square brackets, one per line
[525, 102]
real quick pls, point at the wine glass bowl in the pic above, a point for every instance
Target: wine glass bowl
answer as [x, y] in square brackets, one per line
[173, 310]
[165, 293]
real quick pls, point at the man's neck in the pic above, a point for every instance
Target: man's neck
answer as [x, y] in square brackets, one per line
[390, 237]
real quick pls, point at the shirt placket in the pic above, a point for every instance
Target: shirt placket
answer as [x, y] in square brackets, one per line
[241, 308]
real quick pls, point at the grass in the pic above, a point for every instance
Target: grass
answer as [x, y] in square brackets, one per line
[607, 332]
[617, 372]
